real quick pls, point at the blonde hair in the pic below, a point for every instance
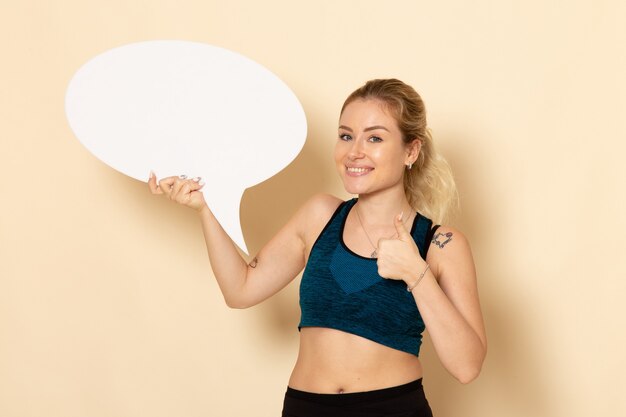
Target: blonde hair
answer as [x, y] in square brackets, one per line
[429, 185]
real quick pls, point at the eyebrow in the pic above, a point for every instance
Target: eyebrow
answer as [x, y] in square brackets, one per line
[367, 129]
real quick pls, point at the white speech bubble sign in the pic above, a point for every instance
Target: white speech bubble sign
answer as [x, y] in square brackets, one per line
[179, 107]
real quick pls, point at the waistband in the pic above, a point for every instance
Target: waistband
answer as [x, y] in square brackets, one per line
[347, 398]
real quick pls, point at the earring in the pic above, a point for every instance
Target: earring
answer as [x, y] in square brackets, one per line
[409, 166]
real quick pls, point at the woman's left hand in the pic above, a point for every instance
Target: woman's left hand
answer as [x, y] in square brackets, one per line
[399, 258]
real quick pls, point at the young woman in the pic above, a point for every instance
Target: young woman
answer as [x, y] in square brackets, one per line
[377, 270]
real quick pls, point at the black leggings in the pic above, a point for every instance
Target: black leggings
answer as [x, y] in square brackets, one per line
[406, 400]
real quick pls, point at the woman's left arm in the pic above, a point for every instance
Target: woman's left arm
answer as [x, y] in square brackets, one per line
[447, 296]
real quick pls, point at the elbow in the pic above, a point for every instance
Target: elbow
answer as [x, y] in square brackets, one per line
[470, 371]
[237, 303]
[468, 375]
[235, 306]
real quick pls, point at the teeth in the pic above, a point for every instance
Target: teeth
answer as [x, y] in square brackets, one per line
[359, 170]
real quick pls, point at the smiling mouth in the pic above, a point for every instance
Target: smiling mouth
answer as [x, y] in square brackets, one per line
[358, 170]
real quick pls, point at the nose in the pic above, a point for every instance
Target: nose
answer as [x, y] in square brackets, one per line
[356, 150]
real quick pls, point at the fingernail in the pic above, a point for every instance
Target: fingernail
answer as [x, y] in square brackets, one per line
[151, 174]
[197, 179]
[201, 183]
[183, 177]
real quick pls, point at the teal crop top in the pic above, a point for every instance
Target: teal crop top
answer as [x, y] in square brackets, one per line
[342, 290]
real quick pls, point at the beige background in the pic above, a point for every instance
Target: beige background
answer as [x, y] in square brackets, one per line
[107, 302]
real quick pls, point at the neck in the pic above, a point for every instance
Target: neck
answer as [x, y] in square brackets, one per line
[382, 208]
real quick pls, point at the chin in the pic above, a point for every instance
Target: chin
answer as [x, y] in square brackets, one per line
[352, 188]
[356, 190]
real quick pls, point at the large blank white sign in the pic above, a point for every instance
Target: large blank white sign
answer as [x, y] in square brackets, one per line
[178, 107]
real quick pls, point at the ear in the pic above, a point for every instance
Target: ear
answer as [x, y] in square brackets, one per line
[413, 151]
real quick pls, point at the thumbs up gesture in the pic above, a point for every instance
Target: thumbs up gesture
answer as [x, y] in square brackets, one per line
[399, 257]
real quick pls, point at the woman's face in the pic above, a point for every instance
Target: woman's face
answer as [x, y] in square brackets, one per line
[370, 155]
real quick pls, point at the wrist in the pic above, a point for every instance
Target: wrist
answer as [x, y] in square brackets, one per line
[414, 270]
[204, 210]
[414, 282]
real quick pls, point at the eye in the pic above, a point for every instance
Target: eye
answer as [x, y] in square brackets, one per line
[345, 137]
[375, 139]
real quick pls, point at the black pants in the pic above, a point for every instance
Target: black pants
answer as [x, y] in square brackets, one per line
[406, 400]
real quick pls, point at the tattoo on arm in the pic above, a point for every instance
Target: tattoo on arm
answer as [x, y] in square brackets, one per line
[253, 263]
[442, 239]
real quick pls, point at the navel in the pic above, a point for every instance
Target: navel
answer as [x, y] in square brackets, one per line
[340, 391]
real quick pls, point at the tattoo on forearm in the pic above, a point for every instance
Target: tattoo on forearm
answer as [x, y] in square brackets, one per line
[253, 263]
[442, 239]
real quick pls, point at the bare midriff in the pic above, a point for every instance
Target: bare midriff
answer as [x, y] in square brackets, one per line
[335, 362]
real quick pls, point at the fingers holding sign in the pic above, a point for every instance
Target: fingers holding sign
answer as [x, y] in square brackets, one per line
[180, 189]
[399, 257]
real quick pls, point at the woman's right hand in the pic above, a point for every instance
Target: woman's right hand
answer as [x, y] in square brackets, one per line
[181, 189]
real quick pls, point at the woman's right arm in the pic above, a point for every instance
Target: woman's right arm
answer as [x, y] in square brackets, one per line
[279, 261]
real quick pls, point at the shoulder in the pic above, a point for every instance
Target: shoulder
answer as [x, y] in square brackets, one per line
[449, 249]
[319, 208]
[315, 213]
[323, 202]
[447, 236]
